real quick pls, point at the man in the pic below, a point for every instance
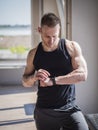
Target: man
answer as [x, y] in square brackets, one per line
[59, 64]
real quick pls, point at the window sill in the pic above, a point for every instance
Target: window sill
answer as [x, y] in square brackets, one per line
[8, 55]
[12, 64]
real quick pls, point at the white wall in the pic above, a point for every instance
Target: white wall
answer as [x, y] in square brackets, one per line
[85, 32]
[52, 6]
[11, 76]
[11, 72]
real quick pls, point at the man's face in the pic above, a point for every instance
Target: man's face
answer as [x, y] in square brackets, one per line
[50, 35]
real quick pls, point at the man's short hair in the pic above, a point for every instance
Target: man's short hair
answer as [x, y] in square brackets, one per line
[50, 19]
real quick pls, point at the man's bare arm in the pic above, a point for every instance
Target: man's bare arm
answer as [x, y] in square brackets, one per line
[28, 77]
[79, 72]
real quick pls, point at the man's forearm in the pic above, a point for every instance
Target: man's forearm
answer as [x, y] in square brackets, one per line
[28, 81]
[71, 78]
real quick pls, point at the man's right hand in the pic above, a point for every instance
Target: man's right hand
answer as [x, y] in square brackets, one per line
[42, 74]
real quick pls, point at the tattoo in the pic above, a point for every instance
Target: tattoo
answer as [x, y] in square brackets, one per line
[26, 76]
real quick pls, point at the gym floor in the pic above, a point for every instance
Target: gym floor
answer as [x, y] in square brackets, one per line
[16, 107]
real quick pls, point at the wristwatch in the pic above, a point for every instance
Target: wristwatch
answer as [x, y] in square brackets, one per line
[53, 80]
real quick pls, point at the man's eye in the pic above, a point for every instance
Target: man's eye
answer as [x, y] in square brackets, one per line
[47, 37]
[54, 36]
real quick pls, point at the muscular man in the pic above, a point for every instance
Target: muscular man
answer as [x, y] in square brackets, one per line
[59, 65]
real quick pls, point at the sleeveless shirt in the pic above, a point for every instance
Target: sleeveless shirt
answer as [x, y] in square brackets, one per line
[57, 63]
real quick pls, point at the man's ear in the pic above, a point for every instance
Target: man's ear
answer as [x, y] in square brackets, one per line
[39, 29]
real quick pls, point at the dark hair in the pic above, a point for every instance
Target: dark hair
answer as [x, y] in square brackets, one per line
[50, 20]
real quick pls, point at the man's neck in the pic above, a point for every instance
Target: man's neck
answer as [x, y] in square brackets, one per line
[52, 48]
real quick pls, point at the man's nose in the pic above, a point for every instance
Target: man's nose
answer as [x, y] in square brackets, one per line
[51, 39]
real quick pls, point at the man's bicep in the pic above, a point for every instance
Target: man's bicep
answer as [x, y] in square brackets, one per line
[79, 63]
[29, 69]
[78, 60]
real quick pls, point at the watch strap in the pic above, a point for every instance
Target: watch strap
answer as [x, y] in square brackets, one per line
[53, 80]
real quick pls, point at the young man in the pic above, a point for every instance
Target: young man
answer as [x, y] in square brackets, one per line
[59, 64]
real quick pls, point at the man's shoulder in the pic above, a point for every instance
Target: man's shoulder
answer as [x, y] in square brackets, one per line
[71, 42]
[72, 46]
[32, 53]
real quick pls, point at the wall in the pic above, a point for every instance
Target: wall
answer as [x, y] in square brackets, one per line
[11, 72]
[85, 32]
[11, 76]
[52, 6]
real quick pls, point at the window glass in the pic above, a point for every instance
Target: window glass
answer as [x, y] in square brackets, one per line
[15, 29]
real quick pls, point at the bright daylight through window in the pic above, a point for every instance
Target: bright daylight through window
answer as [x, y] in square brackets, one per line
[15, 29]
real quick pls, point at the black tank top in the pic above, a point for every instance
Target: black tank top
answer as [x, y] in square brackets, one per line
[57, 62]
